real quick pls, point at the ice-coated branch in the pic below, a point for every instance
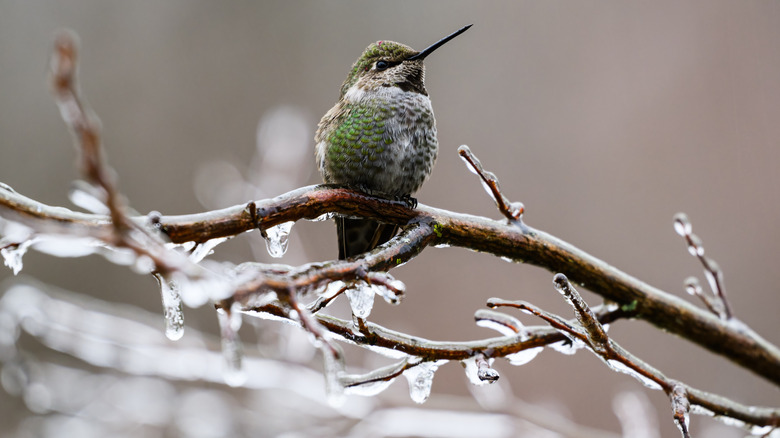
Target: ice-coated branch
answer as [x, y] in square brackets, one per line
[717, 303]
[591, 332]
[529, 245]
[380, 337]
[83, 123]
[513, 211]
[369, 268]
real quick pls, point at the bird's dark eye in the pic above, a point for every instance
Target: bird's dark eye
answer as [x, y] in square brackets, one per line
[382, 65]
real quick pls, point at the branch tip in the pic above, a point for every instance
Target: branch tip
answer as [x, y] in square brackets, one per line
[717, 303]
[513, 211]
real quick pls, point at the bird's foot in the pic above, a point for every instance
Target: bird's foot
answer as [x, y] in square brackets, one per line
[410, 201]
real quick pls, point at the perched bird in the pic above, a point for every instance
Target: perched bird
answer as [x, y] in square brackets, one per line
[380, 137]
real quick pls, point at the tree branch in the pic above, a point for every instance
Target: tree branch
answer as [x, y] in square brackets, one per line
[590, 331]
[528, 245]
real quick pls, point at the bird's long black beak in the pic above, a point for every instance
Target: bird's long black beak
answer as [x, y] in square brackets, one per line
[438, 44]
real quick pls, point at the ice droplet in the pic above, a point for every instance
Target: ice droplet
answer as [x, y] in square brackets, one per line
[478, 370]
[692, 286]
[361, 299]
[420, 379]
[622, 368]
[232, 350]
[682, 225]
[172, 308]
[487, 374]
[13, 253]
[143, 265]
[276, 239]
[695, 248]
[523, 357]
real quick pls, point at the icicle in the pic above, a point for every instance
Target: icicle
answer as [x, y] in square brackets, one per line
[232, 350]
[276, 239]
[420, 379]
[361, 299]
[13, 253]
[172, 308]
[334, 370]
[681, 407]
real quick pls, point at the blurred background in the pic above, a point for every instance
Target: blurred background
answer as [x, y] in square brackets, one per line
[605, 118]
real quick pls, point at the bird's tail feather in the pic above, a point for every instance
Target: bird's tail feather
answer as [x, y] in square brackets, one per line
[357, 236]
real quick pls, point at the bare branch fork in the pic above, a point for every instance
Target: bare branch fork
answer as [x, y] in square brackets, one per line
[276, 290]
[590, 331]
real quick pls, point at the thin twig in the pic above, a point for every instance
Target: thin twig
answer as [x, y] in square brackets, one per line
[711, 269]
[85, 126]
[591, 332]
[512, 211]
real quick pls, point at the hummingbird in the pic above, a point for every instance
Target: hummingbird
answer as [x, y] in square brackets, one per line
[380, 137]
